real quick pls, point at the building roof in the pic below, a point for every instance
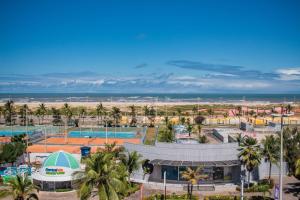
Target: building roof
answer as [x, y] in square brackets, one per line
[187, 152]
[61, 159]
[195, 163]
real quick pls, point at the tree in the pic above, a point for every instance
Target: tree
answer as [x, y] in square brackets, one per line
[179, 112]
[103, 174]
[133, 115]
[24, 110]
[291, 146]
[116, 115]
[11, 152]
[9, 113]
[270, 151]
[288, 108]
[82, 113]
[57, 121]
[131, 161]
[210, 112]
[21, 188]
[100, 111]
[199, 120]
[194, 110]
[250, 154]
[189, 129]
[67, 112]
[192, 176]
[113, 149]
[166, 134]
[41, 111]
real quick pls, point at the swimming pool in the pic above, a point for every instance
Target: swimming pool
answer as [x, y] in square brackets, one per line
[101, 134]
[9, 133]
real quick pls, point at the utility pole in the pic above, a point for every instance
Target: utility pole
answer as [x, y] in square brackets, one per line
[165, 185]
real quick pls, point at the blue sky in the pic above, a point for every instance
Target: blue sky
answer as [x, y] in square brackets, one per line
[150, 46]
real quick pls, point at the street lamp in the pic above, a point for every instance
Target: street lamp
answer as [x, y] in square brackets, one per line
[282, 115]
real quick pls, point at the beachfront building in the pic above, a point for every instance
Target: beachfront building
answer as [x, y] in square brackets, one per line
[218, 161]
[57, 172]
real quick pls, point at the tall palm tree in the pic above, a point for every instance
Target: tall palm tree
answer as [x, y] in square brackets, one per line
[133, 115]
[23, 112]
[100, 111]
[250, 154]
[21, 188]
[9, 112]
[113, 149]
[43, 111]
[271, 149]
[116, 115]
[67, 112]
[82, 113]
[192, 176]
[132, 161]
[179, 112]
[288, 108]
[103, 174]
[194, 110]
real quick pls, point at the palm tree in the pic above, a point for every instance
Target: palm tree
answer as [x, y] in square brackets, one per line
[82, 113]
[133, 115]
[189, 129]
[103, 174]
[21, 188]
[132, 161]
[43, 111]
[113, 149]
[116, 114]
[67, 112]
[271, 149]
[23, 114]
[179, 112]
[195, 110]
[100, 110]
[210, 112]
[250, 154]
[9, 112]
[288, 108]
[192, 176]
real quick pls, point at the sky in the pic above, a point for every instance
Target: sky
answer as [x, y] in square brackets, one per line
[178, 46]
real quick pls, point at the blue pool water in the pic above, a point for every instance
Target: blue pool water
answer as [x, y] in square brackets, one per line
[101, 134]
[12, 133]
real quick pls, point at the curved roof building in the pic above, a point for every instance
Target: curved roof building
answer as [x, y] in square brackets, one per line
[57, 171]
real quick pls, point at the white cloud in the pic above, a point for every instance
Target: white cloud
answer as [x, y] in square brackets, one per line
[289, 74]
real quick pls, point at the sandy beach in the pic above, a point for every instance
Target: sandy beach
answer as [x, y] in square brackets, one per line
[128, 103]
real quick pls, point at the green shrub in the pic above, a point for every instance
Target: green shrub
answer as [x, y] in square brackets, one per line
[170, 197]
[221, 197]
[63, 190]
[262, 186]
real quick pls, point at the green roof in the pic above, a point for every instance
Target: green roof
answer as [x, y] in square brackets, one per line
[61, 159]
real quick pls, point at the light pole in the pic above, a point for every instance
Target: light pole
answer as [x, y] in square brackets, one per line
[281, 150]
[242, 183]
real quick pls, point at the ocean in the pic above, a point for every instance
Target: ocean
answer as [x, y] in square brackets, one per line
[150, 97]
